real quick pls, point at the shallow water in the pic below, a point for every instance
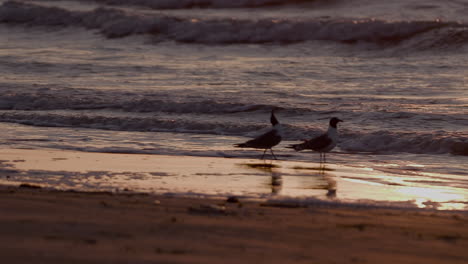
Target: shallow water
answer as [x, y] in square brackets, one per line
[153, 79]
[280, 180]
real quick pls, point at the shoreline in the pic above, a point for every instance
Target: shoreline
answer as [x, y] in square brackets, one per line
[302, 182]
[52, 226]
[66, 206]
[273, 201]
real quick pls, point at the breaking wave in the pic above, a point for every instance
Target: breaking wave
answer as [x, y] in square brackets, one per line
[419, 143]
[440, 142]
[125, 123]
[83, 99]
[182, 4]
[115, 23]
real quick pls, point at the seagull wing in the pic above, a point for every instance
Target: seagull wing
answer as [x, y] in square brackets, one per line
[267, 140]
[316, 144]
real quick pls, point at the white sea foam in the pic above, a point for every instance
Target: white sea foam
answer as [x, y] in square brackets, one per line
[373, 142]
[118, 23]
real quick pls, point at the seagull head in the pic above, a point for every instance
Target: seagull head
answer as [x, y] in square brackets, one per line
[273, 119]
[334, 121]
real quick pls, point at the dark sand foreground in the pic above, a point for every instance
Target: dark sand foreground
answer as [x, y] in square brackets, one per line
[43, 226]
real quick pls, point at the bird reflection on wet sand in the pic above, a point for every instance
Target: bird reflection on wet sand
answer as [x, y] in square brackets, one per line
[273, 169]
[318, 178]
[329, 177]
[323, 173]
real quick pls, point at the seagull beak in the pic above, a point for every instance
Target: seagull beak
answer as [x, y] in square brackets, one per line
[339, 120]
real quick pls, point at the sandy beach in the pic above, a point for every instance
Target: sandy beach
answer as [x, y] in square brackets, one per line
[133, 131]
[56, 208]
[47, 226]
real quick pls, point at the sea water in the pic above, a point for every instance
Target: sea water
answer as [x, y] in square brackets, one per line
[194, 77]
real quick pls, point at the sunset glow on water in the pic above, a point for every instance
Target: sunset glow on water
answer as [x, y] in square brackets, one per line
[159, 79]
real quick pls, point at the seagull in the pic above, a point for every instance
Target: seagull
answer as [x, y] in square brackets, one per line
[323, 143]
[268, 140]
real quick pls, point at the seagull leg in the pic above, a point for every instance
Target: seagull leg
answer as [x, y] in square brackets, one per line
[273, 154]
[263, 156]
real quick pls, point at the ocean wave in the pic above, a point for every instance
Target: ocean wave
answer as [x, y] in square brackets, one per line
[61, 98]
[445, 38]
[419, 143]
[127, 123]
[82, 99]
[184, 4]
[114, 23]
[53, 98]
[384, 141]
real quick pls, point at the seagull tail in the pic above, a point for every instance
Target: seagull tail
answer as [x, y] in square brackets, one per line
[241, 145]
[298, 147]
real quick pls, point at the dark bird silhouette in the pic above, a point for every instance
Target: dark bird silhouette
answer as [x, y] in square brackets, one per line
[323, 143]
[268, 140]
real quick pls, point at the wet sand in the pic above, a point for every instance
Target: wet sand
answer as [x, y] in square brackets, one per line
[48, 226]
[218, 176]
[39, 224]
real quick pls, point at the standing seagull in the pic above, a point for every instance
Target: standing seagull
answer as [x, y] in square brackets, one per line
[267, 140]
[323, 143]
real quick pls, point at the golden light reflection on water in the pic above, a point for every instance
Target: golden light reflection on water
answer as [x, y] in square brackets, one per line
[154, 173]
[433, 198]
[402, 185]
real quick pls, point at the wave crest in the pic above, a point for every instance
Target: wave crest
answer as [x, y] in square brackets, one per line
[184, 4]
[117, 23]
[418, 143]
[132, 103]
[381, 142]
